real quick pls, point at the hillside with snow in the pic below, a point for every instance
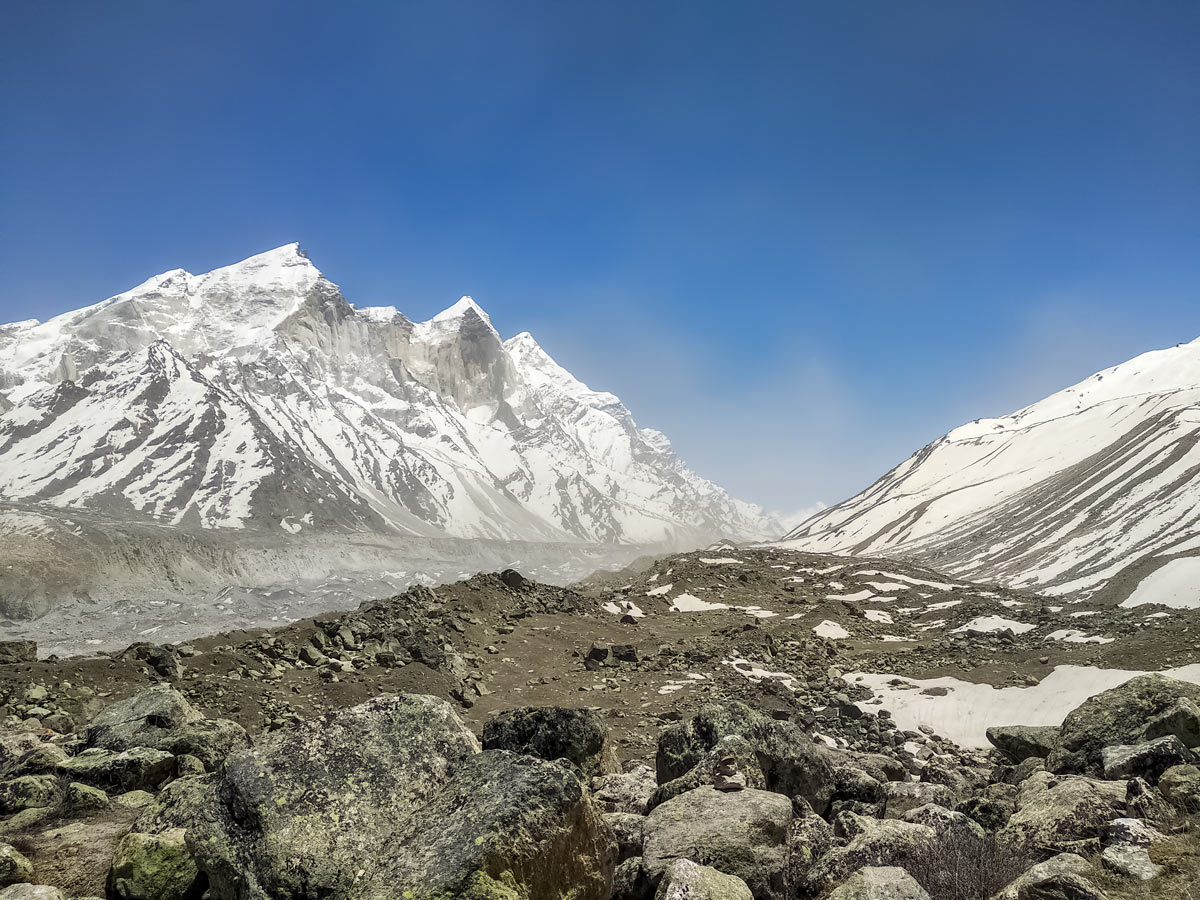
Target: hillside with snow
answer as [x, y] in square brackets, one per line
[1094, 490]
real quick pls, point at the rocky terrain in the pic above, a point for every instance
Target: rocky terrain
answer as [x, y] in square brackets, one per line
[732, 722]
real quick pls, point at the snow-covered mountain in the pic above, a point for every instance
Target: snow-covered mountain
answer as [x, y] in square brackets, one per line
[1095, 490]
[256, 397]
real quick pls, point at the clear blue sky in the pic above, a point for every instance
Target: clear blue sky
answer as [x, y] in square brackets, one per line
[801, 238]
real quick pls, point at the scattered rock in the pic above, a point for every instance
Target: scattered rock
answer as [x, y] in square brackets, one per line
[880, 883]
[554, 732]
[685, 880]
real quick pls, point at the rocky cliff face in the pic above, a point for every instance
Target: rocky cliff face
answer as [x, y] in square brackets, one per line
[255, 397]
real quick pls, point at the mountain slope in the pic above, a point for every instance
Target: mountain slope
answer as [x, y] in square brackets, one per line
[1090, 490]
[256, 397]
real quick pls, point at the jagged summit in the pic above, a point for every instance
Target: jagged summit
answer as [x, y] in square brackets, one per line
[287, 408]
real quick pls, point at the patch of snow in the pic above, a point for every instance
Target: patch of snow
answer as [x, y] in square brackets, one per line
[720, 561]
[830, 629]
[1072, 636]
[878, 615]
[988, 624]
[1176, 585]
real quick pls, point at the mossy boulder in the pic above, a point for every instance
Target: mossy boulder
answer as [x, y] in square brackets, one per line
[154, 867]
[1117, 716]
[14, 867]
[554, 732]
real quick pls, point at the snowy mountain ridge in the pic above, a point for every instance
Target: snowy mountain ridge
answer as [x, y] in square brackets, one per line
[1091, 490]
[256, 397]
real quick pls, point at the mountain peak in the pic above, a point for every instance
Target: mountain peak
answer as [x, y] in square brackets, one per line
[462, 307]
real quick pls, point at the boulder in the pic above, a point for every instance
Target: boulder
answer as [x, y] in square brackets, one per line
[871, 842]
[880, 883]
[1130, 831]
[1142, 801]
[630, 881]
[790, 762]
[137, 769]
[43, 759]
[856, 791]
[389, 798]
[1181, 719]
[626, 791]
[554, 732]
[1022, 742]
[161, 718]
[1116, 716]
[28, 792]
[685, 880]
[990, 813]
[949, 825]
[31, 892]
[1045, 873]
[1067, 886]
[14, 867]
[809, 838]
[1180, 785]
[13, 653]
[629, 831]
[742, 833]
[1146, 760]
[1069, 813]
[704, 772]
[147, 719]
[1130, 860]
[153, 867]
[83, 798]
[14, 745]
[905, 795]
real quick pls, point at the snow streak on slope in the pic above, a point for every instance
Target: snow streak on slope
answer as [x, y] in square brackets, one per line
[1098, 484]
[255, 396]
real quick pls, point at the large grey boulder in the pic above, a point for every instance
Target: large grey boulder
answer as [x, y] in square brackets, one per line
[742, 833]
[901, 796]
[1045, 874]
[390, 798]
[14, 867]
[1116, 716]
[1146, 760]
[1130, 860]
[29, 792]
[554, 732]
[1063, 813]
[704, 772]
[949, 825]
[31, 892]
[136, 769]
[629, 831]
[162, 718]
[1180, 785]
[870, 842]
[1181, 719]
[1022, 742]
[880, 883]
[685, 880]
[627, 792]
[790, 762]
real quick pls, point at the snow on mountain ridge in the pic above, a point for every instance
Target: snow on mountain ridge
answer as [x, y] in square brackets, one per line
[306, 409]
[1096, 485]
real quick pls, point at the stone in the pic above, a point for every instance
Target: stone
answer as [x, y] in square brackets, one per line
[43, 759]
[880, 883]
[306, 810]
[1022, 742]
[1180, 785]
[28, 792]
[1045, 873]
[1129, 831]
[14, 867]
[552, 733]
[153, 867]
[990, 813]
[211, 741]
[789, 761]
[686, 880]
[1063, 887]
[871, 842]
[948, 824]
[31, 892]
[84, 798]
[1142, 801]
[901, 796]
[14, 653]
[630, 881]
[1181, 719]
[147, 719]
[1063, 813]
[706, 771]
[809, 838]
[1146, 760]
[1130, 860]
[14, 745]
[629, 830]
[856, 791]
[1115, 716]
[136, 769]
[743, 833]
[625, 791]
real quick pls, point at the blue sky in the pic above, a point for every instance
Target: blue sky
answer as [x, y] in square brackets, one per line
[801, 238]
